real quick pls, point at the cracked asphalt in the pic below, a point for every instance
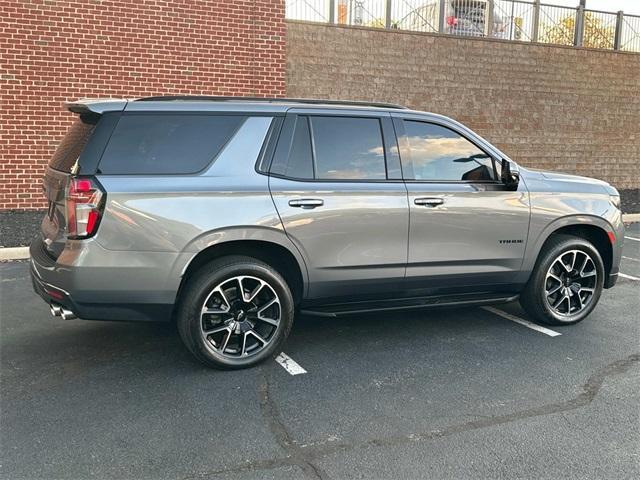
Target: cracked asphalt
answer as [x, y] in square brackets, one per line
[433, 394]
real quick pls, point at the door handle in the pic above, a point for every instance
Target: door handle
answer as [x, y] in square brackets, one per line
[428, 202]
[306, 202]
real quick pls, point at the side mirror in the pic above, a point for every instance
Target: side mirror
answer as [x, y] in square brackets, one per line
[509, 179]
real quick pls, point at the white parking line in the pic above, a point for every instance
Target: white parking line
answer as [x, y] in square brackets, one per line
[289, 364]
[632, 238]
[630, 277]
[522, 321]
[630, 258]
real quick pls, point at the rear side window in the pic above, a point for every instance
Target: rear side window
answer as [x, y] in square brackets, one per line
[166, 144]
[71, 146]
[300, 164]
[333, 148]
[348, 148]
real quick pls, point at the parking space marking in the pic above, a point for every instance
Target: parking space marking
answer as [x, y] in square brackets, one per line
[632, 238]
[630, 258]
[630, 277]
[522, 321]
[289, 364]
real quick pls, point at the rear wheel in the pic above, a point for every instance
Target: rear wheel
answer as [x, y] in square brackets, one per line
[235, 312]
[566, 283]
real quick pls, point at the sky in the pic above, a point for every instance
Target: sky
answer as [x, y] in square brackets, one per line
[628, 6]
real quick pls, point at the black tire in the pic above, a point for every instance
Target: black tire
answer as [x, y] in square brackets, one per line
[199, 287]
[534, 299]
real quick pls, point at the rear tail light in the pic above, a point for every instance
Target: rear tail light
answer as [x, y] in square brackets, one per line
[452, 21]
[85, 201]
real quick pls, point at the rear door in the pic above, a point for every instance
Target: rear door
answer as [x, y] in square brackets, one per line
[336, 183]
[467, 231]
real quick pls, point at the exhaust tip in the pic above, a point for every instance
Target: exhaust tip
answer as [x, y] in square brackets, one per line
[67, 314]
[60, 311]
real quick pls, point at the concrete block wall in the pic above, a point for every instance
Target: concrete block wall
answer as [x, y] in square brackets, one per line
[559, 108]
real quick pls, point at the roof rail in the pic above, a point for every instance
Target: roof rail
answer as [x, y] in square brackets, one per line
[312, 101]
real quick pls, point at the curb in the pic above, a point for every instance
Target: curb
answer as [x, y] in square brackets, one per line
[16, 253]
[20, 253]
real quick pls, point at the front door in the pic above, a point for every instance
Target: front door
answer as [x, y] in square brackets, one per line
[468, 232]
[336, 183]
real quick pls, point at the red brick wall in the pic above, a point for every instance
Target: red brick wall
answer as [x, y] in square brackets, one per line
[53, 51]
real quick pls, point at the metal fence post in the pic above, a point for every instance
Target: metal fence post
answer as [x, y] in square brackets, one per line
[619, 23]
[387, 16]
[489, 18]
[536, 21]
[578, 39]
[441, 15]
[332, 11]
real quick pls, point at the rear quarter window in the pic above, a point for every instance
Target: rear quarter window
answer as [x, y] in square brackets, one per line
[166, 143]
[73, 143]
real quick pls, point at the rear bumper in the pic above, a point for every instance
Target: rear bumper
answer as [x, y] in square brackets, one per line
[50, 293]
[102, 286]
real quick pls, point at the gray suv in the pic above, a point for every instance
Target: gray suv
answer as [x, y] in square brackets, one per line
[231, 215]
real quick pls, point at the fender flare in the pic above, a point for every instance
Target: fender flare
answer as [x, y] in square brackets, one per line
[535, 245]
[233, 234]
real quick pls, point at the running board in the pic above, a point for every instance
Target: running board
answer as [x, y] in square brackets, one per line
[355, 308]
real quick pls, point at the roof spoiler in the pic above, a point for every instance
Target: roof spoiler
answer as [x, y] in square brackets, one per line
[96, 105]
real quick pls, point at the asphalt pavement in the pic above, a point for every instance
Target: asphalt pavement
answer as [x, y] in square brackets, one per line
[464, 393]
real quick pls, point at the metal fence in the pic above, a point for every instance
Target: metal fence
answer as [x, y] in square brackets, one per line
[520, 20]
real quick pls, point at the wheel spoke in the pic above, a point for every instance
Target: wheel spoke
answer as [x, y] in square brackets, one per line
[562, 299]
[564, 265]
[241, 288]
[214, 311]
[244, 343]
[216, 330]
[592, 273]
[584, 264]
[269, 303]
[555, 277]
[223, 295]
[551, 292]
[270, 321]
[258, 337]
[255, 292]
[581, 305]
[226, 340]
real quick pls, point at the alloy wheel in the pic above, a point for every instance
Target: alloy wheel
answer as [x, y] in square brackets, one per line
[570, 283]
[240, 317]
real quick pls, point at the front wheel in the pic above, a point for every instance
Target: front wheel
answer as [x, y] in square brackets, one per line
[235, 312]
[566, 283]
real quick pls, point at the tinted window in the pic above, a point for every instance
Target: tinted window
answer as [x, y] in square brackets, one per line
[298, 163]
[157, 144]
[348, 148]
[71, 146]
[437, 153]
